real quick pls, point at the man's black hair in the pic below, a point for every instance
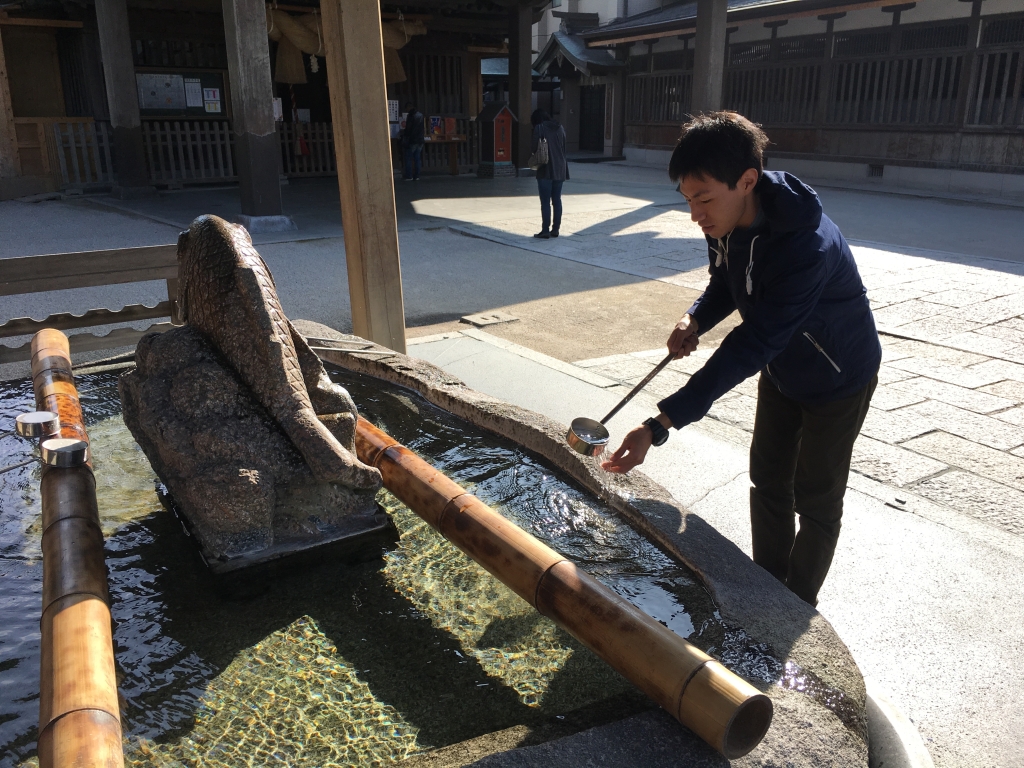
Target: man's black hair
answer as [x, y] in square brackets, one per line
[719, 145]
[539, 116]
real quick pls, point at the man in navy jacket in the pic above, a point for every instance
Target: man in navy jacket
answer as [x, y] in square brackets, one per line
[806, 327]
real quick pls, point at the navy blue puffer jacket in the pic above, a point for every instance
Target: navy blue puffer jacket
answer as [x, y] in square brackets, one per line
[806, 318]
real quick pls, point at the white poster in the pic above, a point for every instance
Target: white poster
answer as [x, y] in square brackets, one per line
[161, 91]
[211, 99]
[193, 92]
[393, 110]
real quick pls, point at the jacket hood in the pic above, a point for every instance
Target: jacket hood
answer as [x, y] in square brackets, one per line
[787, 202]
[552, 124]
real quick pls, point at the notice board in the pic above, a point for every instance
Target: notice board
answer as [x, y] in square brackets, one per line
[181, 94]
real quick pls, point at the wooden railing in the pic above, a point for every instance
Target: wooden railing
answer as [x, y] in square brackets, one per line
[784, 93]
[180, 151]
[189, 150]
[60, 271]
[998, 89]
[307, 149]
[83, 152]
[914, 90]
[929, 75]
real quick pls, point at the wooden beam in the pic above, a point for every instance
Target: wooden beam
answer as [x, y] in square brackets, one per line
[520, 81]
[10, 161]
[86, 342]
[257, 148]
[362, 145]
[740, 17]
[131, 172]
[61, 321]
[709, 56]
[57, 271]
[22, 21]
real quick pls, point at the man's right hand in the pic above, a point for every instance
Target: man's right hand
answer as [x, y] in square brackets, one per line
[684, 339]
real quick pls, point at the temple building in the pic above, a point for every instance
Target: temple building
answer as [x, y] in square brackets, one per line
[927, 94]
[136, 95]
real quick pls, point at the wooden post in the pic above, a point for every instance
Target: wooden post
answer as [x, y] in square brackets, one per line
[709, 56]
[257, 152]
[773, 50]
[520, 80]
[968, 70]
[825, 78]
[10, 162]
[355, 72]
[131, 174]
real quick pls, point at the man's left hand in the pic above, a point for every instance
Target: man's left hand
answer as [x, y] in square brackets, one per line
[631, 453]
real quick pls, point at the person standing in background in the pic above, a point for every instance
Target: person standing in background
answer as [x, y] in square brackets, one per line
[551, 174]
[412, 143]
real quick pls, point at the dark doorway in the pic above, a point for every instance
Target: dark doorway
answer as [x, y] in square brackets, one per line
[592, 118]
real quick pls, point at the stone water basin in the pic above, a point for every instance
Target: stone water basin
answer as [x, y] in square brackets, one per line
[366, 663]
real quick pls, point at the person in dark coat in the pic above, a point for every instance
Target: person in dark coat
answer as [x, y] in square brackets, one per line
[412, 143]
[806, 327]
[550, 175]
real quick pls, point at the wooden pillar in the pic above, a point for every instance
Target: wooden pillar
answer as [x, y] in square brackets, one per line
[773, 46]
[894, 35]
[362, 145]
[10, 162]
[825, 77]
[257, 152]
[618, 116]
[709, 57]
[520, 80]
[968, 70]
[130, 170]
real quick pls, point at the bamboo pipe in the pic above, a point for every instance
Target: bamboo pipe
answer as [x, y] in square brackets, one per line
[79, 717]
[720, 707]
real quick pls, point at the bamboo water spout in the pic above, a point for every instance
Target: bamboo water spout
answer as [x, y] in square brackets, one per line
[720, 707]
[79, 718]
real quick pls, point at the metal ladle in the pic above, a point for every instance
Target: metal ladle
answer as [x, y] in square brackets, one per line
[590, 437]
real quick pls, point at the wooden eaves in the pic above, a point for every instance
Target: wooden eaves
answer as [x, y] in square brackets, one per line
[751, 15]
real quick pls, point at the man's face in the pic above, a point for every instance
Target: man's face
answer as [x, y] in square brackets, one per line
[715, 208]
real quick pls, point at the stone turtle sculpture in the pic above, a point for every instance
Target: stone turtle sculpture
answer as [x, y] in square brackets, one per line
[238, 417]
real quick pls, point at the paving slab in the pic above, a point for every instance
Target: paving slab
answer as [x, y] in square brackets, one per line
[985, 499]
[893, 426]
[892, 464]
[979, 429]
[1000, 466]
[972, 377]
[962, 397]
[1008, 389]
[1012, 416]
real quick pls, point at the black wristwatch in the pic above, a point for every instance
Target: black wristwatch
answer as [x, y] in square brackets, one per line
[657, 430]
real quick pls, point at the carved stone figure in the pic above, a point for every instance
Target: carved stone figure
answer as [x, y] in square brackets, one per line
[226, 293]
[238, 416]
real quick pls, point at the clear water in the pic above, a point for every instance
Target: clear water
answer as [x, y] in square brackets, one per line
[336, 664]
